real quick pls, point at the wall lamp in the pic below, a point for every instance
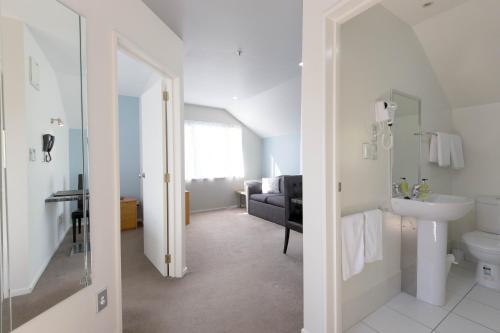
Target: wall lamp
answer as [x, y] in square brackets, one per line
[57, 121]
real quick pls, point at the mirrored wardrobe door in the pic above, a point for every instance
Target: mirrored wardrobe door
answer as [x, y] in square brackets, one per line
[46, 225]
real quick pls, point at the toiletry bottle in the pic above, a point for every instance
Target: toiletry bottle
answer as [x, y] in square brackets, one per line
[424, 190]
[404, 187]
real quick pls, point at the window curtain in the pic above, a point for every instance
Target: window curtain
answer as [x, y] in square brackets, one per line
[213, 150]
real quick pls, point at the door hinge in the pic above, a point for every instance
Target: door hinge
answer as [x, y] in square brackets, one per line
[166, 96]
[339, 187]
[166, 178]
[168, 258]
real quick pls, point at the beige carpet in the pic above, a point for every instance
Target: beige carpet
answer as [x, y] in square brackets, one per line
[238, 280]
[60, 280]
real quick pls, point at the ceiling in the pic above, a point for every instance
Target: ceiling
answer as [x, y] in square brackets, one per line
[462, 45]
[134, 77]
[269, 34]
[414, 12]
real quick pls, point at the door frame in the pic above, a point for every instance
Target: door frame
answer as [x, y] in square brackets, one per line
[332, 18]
[175, 147]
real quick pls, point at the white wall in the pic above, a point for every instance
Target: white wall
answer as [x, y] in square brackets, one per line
[380, 52]
[478, 126]
[37, 228]
[220, 193]
[78, 313]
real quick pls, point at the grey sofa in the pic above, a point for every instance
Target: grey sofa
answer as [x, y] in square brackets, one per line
[273, 207]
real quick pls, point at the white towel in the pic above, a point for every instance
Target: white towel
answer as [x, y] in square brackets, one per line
[457, 153]
[373, 235]
[433, 149]
[444, 149]
[353, 245]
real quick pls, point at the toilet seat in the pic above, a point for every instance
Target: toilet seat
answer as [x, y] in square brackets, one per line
[483, 242]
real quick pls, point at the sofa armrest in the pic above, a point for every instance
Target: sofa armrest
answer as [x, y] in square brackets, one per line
[253, 187]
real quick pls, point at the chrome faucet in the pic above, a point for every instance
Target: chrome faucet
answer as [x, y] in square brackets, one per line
[415, 191]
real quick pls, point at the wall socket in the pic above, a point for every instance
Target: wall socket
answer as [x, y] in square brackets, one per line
[102, 300]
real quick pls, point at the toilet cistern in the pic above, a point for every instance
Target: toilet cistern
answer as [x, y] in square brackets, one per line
[432, 217]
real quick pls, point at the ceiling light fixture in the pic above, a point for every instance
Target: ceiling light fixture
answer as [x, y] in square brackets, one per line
[239, 52]
[301, 64]
[235, 98]
[428, 4]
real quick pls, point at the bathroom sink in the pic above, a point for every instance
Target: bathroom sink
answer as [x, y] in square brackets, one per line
[432, 217]
[438, 207]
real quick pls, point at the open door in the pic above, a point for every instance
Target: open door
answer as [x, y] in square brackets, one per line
[154, 176]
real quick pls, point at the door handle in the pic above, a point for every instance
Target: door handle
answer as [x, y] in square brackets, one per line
[142, 175]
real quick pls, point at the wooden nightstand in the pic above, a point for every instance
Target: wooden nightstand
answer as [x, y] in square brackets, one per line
[128, 213]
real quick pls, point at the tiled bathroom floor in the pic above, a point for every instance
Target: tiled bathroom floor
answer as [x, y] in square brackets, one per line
[470, 308]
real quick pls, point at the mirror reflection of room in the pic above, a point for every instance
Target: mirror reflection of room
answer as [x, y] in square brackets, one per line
[45, 223]
[420, 197]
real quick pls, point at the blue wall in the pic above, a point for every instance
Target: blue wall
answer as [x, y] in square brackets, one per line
[281, 156]
[129, 111]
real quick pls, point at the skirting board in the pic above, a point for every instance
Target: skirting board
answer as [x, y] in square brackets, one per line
[358, 308]
[213, 209]
[29, 289]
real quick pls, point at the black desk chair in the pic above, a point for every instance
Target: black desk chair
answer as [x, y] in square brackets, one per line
[293, 221]
[77, 215]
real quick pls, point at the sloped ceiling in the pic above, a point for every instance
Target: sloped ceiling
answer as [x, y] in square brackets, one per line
[134, 77]
[462, 43]
[269, 34]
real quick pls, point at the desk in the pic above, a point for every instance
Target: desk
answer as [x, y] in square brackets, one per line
[65, 196]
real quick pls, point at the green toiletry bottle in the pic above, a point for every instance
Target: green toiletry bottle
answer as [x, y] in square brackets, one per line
[424, 190]
[404, 187]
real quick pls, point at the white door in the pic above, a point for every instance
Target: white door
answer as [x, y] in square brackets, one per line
[154, 166]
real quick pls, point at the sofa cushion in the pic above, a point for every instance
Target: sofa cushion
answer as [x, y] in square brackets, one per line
[276, 200]
[271, 185]
[259, 197]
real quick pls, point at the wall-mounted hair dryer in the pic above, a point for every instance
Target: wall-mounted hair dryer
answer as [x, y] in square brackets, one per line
[385, 112]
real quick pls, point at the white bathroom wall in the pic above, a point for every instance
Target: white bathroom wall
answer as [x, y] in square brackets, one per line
[380, 52]
[220, 193]
[478, 126]
[36, 228]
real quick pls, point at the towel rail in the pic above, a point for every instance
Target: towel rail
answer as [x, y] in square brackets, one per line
[425, 133]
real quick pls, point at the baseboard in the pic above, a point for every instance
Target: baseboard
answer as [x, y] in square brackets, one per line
[354, 310]
[29, 289]
[213, 209]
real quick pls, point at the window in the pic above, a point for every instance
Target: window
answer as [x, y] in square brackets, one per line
[213, 150]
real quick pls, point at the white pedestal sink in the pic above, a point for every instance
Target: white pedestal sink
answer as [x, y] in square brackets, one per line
[432, 222]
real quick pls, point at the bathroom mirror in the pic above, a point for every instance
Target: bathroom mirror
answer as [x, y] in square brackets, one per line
[45, 220]
[405, 129]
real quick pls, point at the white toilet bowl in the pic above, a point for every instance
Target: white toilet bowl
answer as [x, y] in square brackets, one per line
[485, 247]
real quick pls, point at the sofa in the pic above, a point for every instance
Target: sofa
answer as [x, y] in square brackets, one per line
[273, 207]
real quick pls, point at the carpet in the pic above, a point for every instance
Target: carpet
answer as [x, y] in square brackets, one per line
[238, 280]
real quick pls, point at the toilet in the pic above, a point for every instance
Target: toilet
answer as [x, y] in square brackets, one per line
[484, 244]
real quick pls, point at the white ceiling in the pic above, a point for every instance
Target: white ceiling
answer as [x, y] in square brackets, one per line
[269, 33]
[413, 12]
[134, 77]
[463, 46]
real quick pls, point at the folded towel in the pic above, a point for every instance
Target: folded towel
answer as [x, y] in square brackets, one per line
[373, 235]
[353, 245]
[457, 153]
[433, 149]
[444, 149]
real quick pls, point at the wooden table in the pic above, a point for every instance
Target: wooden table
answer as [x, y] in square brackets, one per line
[242, 197]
